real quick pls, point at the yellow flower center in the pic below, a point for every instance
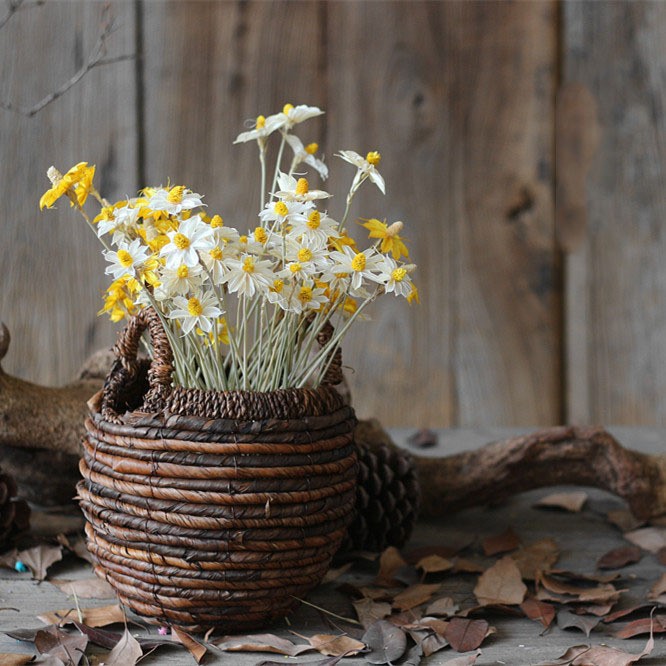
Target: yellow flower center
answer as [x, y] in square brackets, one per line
[358, 262]
[216, 253]
[248, 265]
[287, 108]
[302, 186]
[261, 122]
[281, 209]
[181, 241]
[124, 258]
[242, 239]
[314, 220]
[260, 235]
[295, 267]
[373, 157]
[305, 295]
[278, 286]
[216, 222]
[305, 254]
[183, 272]
[194, 307]
[399, 274]
[176, 194]
[312, 148]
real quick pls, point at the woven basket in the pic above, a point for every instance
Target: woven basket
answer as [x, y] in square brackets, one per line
[208, 508]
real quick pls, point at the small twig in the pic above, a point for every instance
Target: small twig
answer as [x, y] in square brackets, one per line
[13, 6]
[323, 610]
[95, 59]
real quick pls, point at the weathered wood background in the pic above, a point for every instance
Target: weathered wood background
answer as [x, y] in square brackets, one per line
[523, 145]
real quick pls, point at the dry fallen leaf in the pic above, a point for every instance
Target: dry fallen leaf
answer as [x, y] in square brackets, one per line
[77, 545]
[500, 543]
[658, 589]
[369, 611]
[127, 652]
[434, 564]
[624, 519]
[12, 659]
[390, 562]
[501, 584]
[261, 643]
[619, 557]
[646, 625]
[599, 655]
[196, 648]
[39, 558]
[87, 588]
[99, 616]
[538, 556]
[334, 573]
[540, 611]
[572, 501]
[568, 620]
[336, 646]
[465, 565]
[415, 596]
[466, 635]
[463, 660]
[387, 643]
[428, 641]
[652, 539]
[443, 606]
[109, 639]
[53, 642]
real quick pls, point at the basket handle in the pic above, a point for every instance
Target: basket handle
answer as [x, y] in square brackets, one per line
[126, 367]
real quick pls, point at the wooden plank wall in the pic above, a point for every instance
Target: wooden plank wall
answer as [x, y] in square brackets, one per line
[522, 147]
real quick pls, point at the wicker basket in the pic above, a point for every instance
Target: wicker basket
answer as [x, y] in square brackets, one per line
[210, 508]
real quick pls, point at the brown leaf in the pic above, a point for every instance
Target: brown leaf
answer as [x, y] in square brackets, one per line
[571, 501]
[428, 640]
[8, 559]
[539, 611]
[584, 593]
[434, 564]
[443, 606]
[658, 588]
[624, 519]
[87, 588]
[389, 562]
[109, 639]
[466, 635]
[414, 596]
[331, 661]
[639, 609]
[334, 574]
[54, 642]
[448, 551]
[77, 545]
[336, 646]
[369, 611]
[652, 539]
[196, 649]
[538, 556]
[39, 558]
[261, 643]
[568, 620]
[619, 557]
[376, 593]
[645, 625]
[12, 659]
[500, 543]
[127, 652]
[99, 616]
[465, 660]
[501, 584]
[599, 655]
[464, 565]
[600, 610]
[387, 643]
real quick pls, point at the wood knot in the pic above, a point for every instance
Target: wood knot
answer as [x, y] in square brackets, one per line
[4, 340]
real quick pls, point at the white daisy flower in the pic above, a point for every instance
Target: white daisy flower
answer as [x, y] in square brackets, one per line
[280, 211]
[395, 278]
[192, 235]
[181, 280]
[304, 259]
[314, 228]
[292, 115]
[214, 261]
[297, 190]
[126, 260]
[120, 221]
[248, 275]
[174, 200]
[306, 155]
[359, 266]
[196, 312]
[306, 297]
[276, 294]
[222, 233]
[367, 168]
[260, 132]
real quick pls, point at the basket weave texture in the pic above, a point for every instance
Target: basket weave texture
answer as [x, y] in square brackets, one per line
[213, 509]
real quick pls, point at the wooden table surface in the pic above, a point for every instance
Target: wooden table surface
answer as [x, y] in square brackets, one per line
[582, 538]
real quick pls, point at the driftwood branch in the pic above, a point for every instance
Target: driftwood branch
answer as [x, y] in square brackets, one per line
[584, 456]
[97, 58]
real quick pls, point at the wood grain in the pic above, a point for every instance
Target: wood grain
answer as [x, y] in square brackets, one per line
[52, 270]
[616, 292]
[458, 99]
